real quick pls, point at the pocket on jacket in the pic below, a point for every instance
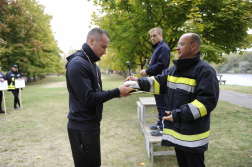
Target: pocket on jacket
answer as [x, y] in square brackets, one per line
[187, 127]
[182, 97]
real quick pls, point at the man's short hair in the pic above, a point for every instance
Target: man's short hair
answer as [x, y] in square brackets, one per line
[195, 38]
[159, 30]
[96, 33]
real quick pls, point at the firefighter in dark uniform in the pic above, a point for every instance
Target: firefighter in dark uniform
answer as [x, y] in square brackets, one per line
[11, 76]
[1, 93]
[192, 92]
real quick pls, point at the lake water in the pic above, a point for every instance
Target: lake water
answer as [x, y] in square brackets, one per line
[237, 79]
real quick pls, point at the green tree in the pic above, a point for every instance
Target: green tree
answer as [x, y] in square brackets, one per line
[236, 63]
[17, 33]
[222, 25]
[28, 39]
[49, 59]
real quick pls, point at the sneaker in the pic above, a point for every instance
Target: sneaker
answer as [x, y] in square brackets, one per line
[2, 111]
[16, 108]
[157, 133]
[154, 127]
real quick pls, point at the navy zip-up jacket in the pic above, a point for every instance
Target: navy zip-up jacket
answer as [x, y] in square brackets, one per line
[10, 77]
[160, 59]
[85, 97]
[192, 92]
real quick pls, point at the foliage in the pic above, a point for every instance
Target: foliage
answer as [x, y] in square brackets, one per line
[236, 63]
[27, 39]
[222, 25]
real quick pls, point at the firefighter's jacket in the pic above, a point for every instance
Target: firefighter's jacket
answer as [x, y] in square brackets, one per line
[192, 92]
[10, 77]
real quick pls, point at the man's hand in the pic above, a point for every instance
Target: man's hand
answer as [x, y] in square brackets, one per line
[124, 90]
[131, 78]
[143, 72]
[1, 79]
[168, 118]
[20, 79]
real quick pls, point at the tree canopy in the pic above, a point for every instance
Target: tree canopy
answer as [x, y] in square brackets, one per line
[221, 24]
[26, 38]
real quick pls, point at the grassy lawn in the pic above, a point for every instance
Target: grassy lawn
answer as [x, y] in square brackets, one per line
[237, 88]
[37, 136]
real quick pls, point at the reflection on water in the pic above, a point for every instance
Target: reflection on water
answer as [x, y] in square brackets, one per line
[237, 79]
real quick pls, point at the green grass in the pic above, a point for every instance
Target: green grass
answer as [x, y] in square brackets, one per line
[39, 129]
[237, 88]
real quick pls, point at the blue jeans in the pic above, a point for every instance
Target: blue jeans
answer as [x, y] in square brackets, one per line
[161, 107]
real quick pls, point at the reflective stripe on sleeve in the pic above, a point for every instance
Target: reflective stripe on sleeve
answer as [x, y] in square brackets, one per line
[151, 80]
[155, 87]
[185, 140]
[194, 110]
[197, 107]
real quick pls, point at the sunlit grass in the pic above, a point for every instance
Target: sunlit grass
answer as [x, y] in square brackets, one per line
[39, 129]
[237, 88]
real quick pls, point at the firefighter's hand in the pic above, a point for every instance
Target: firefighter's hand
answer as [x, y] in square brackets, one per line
[124, 90]
[131, 78]
[169, 117]
[143, 72]
[1, 79]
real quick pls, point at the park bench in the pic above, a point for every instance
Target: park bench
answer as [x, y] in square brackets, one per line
[146, 102]
[221, 80]
[138, 111]
[151, 141]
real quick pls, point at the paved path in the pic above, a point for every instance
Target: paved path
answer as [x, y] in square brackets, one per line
[236, 98]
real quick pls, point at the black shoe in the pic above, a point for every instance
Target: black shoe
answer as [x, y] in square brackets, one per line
[16, 108]
[157, 132]
[154, 127]
[2, 111]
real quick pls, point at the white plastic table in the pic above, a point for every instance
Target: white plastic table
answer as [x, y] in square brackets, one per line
[145, 103]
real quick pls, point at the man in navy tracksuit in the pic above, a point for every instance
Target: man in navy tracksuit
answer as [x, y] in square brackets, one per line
[86, 99]
[159, 61]
[1, 93]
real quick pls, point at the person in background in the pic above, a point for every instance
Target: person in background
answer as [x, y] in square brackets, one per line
[86, 99]
[11, 76]
[1, 93]
[159, 61]
[192, 92]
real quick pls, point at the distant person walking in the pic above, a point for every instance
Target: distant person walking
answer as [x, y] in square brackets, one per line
[11, 76]
[1, 92]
